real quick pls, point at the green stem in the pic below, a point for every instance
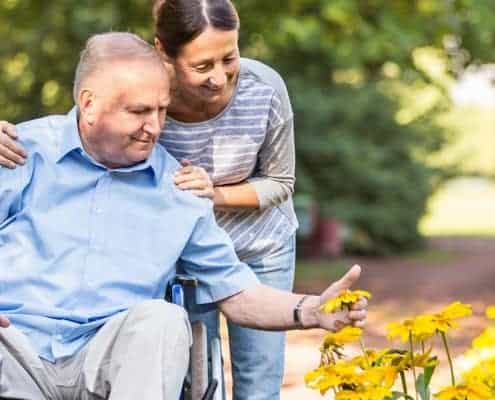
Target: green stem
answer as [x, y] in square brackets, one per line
[404, 384]
[363, 349]
[411, 349]
[451, 365]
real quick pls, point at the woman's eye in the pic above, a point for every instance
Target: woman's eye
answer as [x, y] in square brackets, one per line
[202, 68]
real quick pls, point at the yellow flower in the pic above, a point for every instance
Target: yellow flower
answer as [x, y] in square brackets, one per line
[421, 328]
[322, 379]
[373, 393]
[490, 312]
[348, 373]
[482, 374]
[373, 357]
[345, 299]
[486, 339]
[382, 376]
[444, 320]
[346, 335]
[403, 361]
[465, 392]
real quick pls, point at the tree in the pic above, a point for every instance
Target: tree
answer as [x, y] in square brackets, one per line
[365, 100]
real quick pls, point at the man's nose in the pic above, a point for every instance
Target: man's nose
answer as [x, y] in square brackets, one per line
[153, 124]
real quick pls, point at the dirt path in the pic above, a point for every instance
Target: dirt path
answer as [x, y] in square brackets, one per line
[403, 288]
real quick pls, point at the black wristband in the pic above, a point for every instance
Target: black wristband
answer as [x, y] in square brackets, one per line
[297, 311]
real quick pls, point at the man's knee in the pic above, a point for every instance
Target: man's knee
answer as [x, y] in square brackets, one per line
[162, 317]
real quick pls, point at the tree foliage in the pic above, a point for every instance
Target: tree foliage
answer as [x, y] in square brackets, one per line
[364, 102]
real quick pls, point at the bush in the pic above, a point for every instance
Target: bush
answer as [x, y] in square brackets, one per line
[362, 167]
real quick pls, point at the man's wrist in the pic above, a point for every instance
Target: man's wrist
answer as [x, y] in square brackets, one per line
[309, 312]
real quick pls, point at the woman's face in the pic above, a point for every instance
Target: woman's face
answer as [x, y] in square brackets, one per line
[206, 68]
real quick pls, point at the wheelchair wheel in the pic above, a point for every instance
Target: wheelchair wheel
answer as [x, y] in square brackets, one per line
[199, 361]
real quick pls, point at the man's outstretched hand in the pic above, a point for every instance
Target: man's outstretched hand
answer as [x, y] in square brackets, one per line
[4, 322]
[335, 321]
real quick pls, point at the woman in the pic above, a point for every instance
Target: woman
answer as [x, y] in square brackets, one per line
[233, 119]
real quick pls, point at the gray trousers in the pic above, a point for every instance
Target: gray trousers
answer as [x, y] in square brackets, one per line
[141, 354]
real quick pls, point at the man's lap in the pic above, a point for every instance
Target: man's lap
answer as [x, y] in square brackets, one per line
[131, 336]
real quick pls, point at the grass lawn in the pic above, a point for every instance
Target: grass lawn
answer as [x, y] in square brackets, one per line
[463, 207]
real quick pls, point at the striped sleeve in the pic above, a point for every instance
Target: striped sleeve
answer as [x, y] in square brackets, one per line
[274, 177]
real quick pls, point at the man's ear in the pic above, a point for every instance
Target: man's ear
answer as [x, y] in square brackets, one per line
[87, 105]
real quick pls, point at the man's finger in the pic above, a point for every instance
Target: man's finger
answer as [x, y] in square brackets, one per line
[360, 304]
[346, 281]
[358, 315]
[359, 324]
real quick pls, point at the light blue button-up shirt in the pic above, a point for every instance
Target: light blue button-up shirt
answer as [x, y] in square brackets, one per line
[80, 243]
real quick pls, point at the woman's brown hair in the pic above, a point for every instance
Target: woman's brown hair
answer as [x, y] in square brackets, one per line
[178, 22]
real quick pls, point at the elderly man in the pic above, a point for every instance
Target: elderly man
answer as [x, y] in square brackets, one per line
[90, 232]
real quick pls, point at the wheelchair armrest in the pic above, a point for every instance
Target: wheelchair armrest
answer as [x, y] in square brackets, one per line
[176, 287]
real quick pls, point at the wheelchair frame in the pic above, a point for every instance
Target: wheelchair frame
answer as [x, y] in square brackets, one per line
[205, 377]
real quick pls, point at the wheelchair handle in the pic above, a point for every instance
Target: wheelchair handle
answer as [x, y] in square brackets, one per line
[186, 280]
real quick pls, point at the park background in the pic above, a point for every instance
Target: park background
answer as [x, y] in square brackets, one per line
[393, 102]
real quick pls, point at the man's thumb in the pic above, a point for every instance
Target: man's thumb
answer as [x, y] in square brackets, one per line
[347, 280]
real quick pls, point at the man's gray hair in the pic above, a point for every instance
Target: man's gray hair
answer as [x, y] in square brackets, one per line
[108, 47]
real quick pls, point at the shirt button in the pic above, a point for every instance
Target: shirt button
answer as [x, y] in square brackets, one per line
[59, 336]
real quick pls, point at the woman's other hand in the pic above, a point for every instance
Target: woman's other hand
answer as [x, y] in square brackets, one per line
[11, 154]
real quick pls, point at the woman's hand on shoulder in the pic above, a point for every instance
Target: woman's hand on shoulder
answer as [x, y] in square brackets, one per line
[4, 322]
[195, 179]
[11, 154]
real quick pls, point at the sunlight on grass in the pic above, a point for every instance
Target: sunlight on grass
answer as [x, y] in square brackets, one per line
[473, 147]
[463, 207]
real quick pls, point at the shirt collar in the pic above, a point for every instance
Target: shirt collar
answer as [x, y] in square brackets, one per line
[71, 141]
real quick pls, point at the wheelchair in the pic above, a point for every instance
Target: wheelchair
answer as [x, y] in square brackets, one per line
[204, 380]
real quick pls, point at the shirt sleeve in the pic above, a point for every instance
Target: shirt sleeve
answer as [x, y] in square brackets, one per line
[274, 177]
[210, 257]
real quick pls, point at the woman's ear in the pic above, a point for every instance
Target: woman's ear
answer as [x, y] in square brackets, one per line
[161, 50]
[168, 61]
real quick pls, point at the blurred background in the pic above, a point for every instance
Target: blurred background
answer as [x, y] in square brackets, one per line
[395, 138]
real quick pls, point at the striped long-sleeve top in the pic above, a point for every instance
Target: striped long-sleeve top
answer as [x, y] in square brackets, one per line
[251, 140]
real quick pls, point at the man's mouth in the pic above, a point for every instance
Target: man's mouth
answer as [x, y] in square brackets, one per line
[143, 139]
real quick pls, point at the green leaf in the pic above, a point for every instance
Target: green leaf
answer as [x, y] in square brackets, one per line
[422, 387]
[399, 395]
[428, 373]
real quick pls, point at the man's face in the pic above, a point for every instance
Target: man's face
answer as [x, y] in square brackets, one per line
[127, 112]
